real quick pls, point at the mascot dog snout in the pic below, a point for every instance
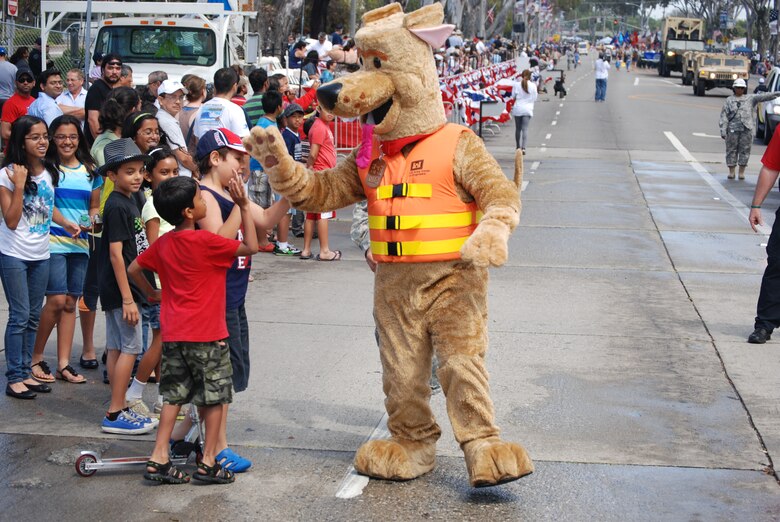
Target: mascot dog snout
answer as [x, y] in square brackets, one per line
[328, 94]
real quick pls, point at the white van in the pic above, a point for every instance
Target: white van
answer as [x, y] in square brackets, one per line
[582, 47]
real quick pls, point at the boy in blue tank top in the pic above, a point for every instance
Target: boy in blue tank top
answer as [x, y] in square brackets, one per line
[220, 157]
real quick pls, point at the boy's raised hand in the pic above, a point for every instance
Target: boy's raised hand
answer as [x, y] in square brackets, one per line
[237, 191]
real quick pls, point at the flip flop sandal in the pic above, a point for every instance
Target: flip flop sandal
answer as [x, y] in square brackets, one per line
[165, 473]
[305, 258]
[336, 256]
[45, 369]
[232, 461]
[74, 375]
[214, 474]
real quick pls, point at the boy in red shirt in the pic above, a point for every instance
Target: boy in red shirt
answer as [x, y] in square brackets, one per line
[192, 265]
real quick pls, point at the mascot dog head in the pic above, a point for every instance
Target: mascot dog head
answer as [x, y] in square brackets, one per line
[397, 89]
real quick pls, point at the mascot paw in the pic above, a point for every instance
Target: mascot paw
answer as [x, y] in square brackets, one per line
[492, 461]
[488, 244]
[266, 146]
[395, 460]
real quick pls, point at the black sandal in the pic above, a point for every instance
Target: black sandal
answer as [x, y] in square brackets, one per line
[73, 379]
[215, 474]
[165, 473]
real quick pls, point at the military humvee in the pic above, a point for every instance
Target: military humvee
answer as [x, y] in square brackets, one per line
[712, 70]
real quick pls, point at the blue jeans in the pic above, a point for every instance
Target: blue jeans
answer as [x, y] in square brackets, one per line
[601, 89]
[24, 284]
[238, 340]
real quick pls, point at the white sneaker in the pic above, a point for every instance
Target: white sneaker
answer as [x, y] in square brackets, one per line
[140, 411]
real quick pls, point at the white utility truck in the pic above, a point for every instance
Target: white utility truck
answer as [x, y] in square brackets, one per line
[176, 37]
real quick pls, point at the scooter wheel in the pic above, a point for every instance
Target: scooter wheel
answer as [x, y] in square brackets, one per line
[81, 465]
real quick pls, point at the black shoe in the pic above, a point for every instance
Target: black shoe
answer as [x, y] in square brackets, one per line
[39, 388]
[759, 336]
[88, 364]
[26, 394]
[105, 377]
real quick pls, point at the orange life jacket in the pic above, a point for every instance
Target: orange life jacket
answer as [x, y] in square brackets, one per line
[415, 214]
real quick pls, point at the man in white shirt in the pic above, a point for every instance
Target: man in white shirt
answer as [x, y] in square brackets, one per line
[170, 95]
[322, 46]
[602, 73]
[75, 95]
[220, 111]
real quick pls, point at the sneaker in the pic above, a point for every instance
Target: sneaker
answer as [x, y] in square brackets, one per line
[140, 412]
[289, 251]
[759, 336]
[125, 424]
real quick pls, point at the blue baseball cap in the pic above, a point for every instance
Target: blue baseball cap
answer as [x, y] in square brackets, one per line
[217, 139]
[3, 51]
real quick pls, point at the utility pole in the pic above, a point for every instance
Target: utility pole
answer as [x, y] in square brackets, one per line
[352, 18]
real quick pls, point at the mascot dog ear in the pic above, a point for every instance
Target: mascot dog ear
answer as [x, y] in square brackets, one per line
[426, 24]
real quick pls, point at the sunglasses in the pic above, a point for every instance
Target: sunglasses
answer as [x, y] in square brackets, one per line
[26, 80]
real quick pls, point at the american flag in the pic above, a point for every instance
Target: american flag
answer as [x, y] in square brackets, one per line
[773, 21]
[491, 15]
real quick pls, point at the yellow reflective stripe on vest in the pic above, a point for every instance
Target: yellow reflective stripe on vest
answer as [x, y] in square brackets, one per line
[461, 219]
[405, 190]
[417, 248]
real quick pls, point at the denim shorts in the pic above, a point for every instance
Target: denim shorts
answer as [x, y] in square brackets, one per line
[150, 313]
[66, 274]
[122, 336]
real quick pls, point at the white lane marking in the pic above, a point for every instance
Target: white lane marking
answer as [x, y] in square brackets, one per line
[525, 184]
[554, 122]
[534, 165]
[543, 149]
[548, 136]
[724, 194]
[636, 80]
[670, 83]
[557, 113]
[704, 135]
[353, 484]
[560, 105]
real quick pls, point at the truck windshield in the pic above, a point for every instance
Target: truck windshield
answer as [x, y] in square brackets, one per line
[686, 45]
[145, 44]
[735, 63]
[712, 61]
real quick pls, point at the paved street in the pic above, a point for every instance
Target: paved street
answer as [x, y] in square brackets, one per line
[617, 358]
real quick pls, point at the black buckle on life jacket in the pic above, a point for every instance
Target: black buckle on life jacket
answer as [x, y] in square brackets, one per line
[393, 223]
[393, 248]
[399, 190]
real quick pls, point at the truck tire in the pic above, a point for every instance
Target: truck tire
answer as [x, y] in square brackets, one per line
[700, 89]
[687, 79]
[667, 72]
[661, 68]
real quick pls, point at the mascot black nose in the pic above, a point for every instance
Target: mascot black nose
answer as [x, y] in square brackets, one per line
[328, 94]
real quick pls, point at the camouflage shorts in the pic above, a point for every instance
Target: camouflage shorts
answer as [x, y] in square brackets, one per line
[196, 372]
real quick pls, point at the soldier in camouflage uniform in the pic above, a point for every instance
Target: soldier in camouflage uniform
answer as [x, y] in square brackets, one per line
[736, 125]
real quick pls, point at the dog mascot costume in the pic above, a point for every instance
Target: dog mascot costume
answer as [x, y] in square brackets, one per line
[440, 212]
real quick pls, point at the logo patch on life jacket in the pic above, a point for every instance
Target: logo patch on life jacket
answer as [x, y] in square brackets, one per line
[417, 165]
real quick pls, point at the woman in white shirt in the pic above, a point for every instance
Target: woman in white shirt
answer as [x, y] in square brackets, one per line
[524, 92]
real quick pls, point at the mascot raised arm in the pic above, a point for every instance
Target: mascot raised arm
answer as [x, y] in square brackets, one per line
[440, 212]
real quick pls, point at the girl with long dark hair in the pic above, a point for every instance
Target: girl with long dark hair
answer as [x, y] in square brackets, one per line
[76, 200]
[27, 183]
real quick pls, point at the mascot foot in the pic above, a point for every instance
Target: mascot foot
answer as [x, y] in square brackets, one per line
[395, 459]
[491, 462]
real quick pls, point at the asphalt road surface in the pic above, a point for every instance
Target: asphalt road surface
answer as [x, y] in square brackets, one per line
[617, 357]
